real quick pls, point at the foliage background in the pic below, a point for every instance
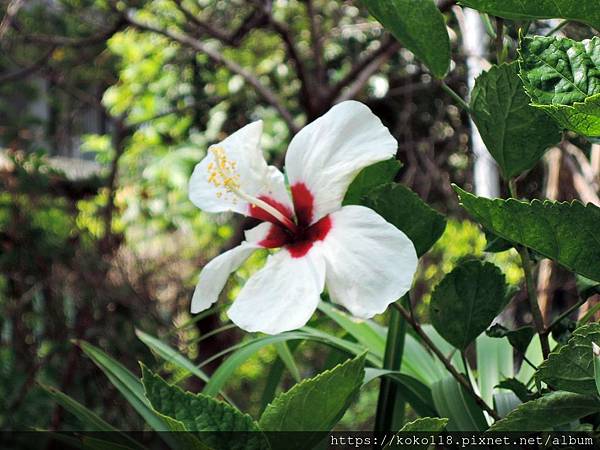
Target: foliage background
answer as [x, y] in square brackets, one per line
[94, 251]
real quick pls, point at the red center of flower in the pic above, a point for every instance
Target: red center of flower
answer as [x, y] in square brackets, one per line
[301, 238]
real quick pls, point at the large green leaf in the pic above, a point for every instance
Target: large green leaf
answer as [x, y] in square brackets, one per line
[515, 133]
[316, 404]
[585, 11]
[571, 368]
[494, 363]
[421, 28]
[466, 302]
[203, 414]
[127, 383]
[545, 413]
[227, 369]
[403, 208]
[562, 77]
[369, 178]
[452, 401]
[564, 232]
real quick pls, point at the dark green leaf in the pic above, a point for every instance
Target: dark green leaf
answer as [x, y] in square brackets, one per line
[514, 385]
[571, 368]
[412, 390]
[201, 413]
[466, 302]
[516, 134]
[562, 77]
[421, 28]
[369, 178]
[564, 232]
[585, 11]
[519, 338]
[316, 404]
[495, 244]
[403, 208]
[545, 413]
[432, 425]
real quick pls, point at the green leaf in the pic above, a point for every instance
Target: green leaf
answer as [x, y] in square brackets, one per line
[466, 302]
[421, 28]
[587, 287]
[128, 384]
[545, 413]
[316, 404]
[564, 232]
[203, 414]
[562, 77]
[571, 368]
[494, 363]
[431, 425]
[288, 359]
[413, 391]
[519, 338]
[585, 11]
[89, 419]
[516, 134]
[514, 385]
[596, 356]
[452, 401]
[365, 332]
[403, 208]
[425, 424]
[371, 177]
[241, 355]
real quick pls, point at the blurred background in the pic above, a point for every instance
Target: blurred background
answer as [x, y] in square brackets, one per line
[105, 108]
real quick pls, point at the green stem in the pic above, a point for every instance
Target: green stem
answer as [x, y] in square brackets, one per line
[590, 313]
[457, 98]
[534, 306]
[445, 361]
[557, 28]
[580, 302]
[499, 40]
[390, 405]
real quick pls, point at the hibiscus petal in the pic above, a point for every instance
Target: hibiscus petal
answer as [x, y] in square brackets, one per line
[214, 275]
[282, 296]
[326, 155]
[247, 165]
[370, 262]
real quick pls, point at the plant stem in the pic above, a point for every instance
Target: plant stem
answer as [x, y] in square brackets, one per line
[499, 40]
[534, 306]
[457, 98]
[557, 27]
[580, 302]
[445, 361]
[390, 405]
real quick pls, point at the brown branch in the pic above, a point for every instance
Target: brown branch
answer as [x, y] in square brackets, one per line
[267, 94]
[67, 41]
[445, 361]
[255, 19]
[355, 71]
[368, 71]
[317, 47]
[20, 74]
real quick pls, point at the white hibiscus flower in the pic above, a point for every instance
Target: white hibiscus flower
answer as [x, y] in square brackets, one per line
[365, 262]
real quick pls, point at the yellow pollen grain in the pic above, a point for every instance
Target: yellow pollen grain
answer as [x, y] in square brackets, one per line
[222, 172]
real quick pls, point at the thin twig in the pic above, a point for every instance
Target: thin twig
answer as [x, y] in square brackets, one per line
[445, 361]
[267, 94]
[457, 98]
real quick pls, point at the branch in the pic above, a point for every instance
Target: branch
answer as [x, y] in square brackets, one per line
[256, 19]
[20, 74]
[315, 38]
[445, 361]
[267, 94]
[67, 41]
[364, 64]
